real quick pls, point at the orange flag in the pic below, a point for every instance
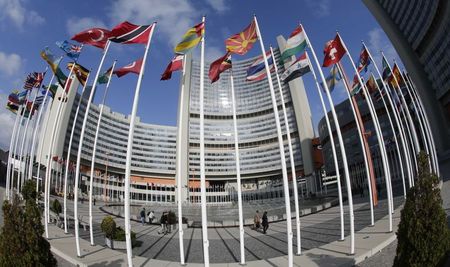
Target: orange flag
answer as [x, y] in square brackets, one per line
[242, 42]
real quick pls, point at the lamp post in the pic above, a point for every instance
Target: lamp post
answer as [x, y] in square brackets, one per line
[106, 176]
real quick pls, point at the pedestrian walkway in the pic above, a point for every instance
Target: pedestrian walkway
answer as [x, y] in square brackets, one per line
[368, 240]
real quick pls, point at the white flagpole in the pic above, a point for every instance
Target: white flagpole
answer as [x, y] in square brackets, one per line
[238, 172]
[48, 171]
[202, 156]
[33, 143]
[421, 127]
[291, 157]
[20, 178]
[16, 141]
[69, 149]
[80, 146]
[342, 148]
[178, 171]
[380, 137]
[333, 150]
[94, 152]
[281, 148]
[402, 134]
[13, 138]
[363, 147]
[130, 151]
[427, 124]
[394, 133]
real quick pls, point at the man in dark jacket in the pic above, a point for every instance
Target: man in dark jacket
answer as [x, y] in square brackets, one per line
[265, 222]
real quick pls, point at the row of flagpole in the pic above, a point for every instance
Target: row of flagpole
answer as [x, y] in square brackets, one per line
[412, 142]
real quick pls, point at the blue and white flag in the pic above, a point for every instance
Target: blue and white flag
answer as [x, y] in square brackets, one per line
[257, 71]
[71, 50]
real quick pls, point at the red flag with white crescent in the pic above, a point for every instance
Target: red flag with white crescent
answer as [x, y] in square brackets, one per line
[134, 67]
[97, 37]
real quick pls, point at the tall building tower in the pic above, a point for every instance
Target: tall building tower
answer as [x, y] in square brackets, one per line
[420, 32]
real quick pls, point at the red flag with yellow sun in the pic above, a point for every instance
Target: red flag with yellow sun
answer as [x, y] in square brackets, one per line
[242, 42]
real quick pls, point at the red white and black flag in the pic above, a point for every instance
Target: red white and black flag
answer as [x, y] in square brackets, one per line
[134, 67]
[97, 37]
[219, 66]
[128, 33]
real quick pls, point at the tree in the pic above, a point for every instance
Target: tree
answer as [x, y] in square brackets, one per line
[29, 190]
[423, 235]
[108, 227]
[21, 240]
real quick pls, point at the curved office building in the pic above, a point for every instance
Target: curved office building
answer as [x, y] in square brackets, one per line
[154, 164]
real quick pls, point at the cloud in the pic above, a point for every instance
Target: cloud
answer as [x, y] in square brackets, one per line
[220, 6]
[378, 41]
[7, 123]
[14, 11]
[174, 17]
[76, 25]
[10, 64]
[320, 8]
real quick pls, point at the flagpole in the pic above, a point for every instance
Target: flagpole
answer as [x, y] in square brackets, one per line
[397, 119]
[427, 124]
[380, 137]
[69, 149]
[48, 171]
[291, 156]
[342, 148]
[394, 133]
[238, 172]
[130, 151]
[94, 152]
[281, 148]
[80, 146]
[178, 170]
[421, 127]
[12, 141]
[20, 178]
[202, 155]
[333, 149]
[16, 141]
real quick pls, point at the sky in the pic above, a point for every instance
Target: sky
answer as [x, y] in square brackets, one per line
[28, 26]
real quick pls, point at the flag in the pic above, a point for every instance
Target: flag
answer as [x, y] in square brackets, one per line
[80, 71]
[333, 78]
[296, 69]
[386, 70]
[190, 39]
[398, 76]
[13, 107]
[371, 87]
[333, 51]
[40, 97]
[128, 33]
[257, 71]
[71, 50]
[356, 88]
[13, 97]
[53, 88]
[134, 67]
[34, 80]
[242, 42]
[219, 66]
[364, 61]
[175, 64]
[55, 158]
[104, 78]
[97, 37]
[48, 56]
[296, 44]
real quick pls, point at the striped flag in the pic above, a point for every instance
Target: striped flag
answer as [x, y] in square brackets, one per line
[80, 71]
[257, 71]
[34, 80]
[297, 69]
[129, 33]
[219, 66]
[190, 39]
[296, 44]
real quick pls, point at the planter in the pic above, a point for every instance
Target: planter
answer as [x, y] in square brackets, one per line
[113, 244]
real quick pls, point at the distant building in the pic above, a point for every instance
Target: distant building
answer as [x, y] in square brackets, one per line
[420, 32]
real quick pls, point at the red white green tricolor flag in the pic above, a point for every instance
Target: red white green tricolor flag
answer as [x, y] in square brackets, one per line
[296, 44]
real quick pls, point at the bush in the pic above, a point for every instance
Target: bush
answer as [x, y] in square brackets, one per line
[29, 190]
[423, 236]
[108, 227]
[120, 235]
[56, 206]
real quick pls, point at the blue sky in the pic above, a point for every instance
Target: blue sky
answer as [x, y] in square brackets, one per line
[28, 26]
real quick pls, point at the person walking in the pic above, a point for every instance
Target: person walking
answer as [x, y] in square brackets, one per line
[151, 216]
[256, 221]
[163, 222]
[265, 222]
[143, 216]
